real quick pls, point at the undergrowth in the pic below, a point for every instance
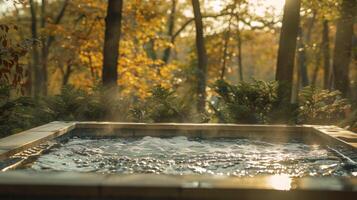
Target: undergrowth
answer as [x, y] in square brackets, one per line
[246, 102]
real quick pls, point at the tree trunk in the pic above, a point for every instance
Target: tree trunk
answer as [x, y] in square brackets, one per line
[310, 27]
[28, 83]
[43, 50]
[35, 54]
[170, 32]
[354, 55]
[354, 46]
[301, 59]
[50, 39]
[317, 64]
[296, 87]
[240, 57]
[227, 36]
[150, 49]
[287, 48]
[224, 56]
[111, 43]
[343, 46]
[326, 55]
[317, 67]
[67, 74]
[202, 58]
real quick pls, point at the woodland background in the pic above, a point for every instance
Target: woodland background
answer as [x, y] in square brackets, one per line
[229, 61]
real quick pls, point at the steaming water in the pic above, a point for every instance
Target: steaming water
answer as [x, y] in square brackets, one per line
[180, 155]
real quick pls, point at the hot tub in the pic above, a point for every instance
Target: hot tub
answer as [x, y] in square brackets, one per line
[110, 160]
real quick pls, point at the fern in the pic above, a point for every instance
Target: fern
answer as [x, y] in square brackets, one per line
[164, 105]
[321, 106]
[15, 114]
[245, 102]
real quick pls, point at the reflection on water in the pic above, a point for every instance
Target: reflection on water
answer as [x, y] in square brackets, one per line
[280, 182]
[180, 155]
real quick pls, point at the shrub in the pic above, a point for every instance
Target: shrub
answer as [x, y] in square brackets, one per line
[321, 106]
[71, 104]
[164, 106]
[76, 104]
[15, 114]
[245, 102]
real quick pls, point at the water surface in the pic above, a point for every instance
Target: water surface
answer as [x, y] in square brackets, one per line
[180, 155]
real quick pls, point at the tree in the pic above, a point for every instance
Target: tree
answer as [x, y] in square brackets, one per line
[40, 60]
[317, 39]
[343, 46]
[239, 57]
[46, 43]
[326, 55]
[225, 49]
[170, 31]
[111, 42]
[301, 60]
[286, 52]
[202, 58]
[304, 45]
[35, 54]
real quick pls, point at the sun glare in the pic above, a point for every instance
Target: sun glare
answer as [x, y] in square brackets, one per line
[216, 5]
[261, 7]
[277, 4]
[280, 182]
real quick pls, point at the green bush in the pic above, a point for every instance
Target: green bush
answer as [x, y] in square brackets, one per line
[71, 104]
[245, 102]
[15, 114]
[164, 105]
[321, 106]
[76, 105]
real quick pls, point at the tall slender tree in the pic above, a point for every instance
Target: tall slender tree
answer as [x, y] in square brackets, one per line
[40, 58]
[47, 42]
[240, 56]
[227, 36]
[301, 59]
[35, 53]
[326, 54]
[239, 40]
[202, 58]
[111, 43]
[170, 31]
[43, 49]
[343, 46]
[287, 47]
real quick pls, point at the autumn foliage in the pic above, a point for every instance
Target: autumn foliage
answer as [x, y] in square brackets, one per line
[231, 61]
